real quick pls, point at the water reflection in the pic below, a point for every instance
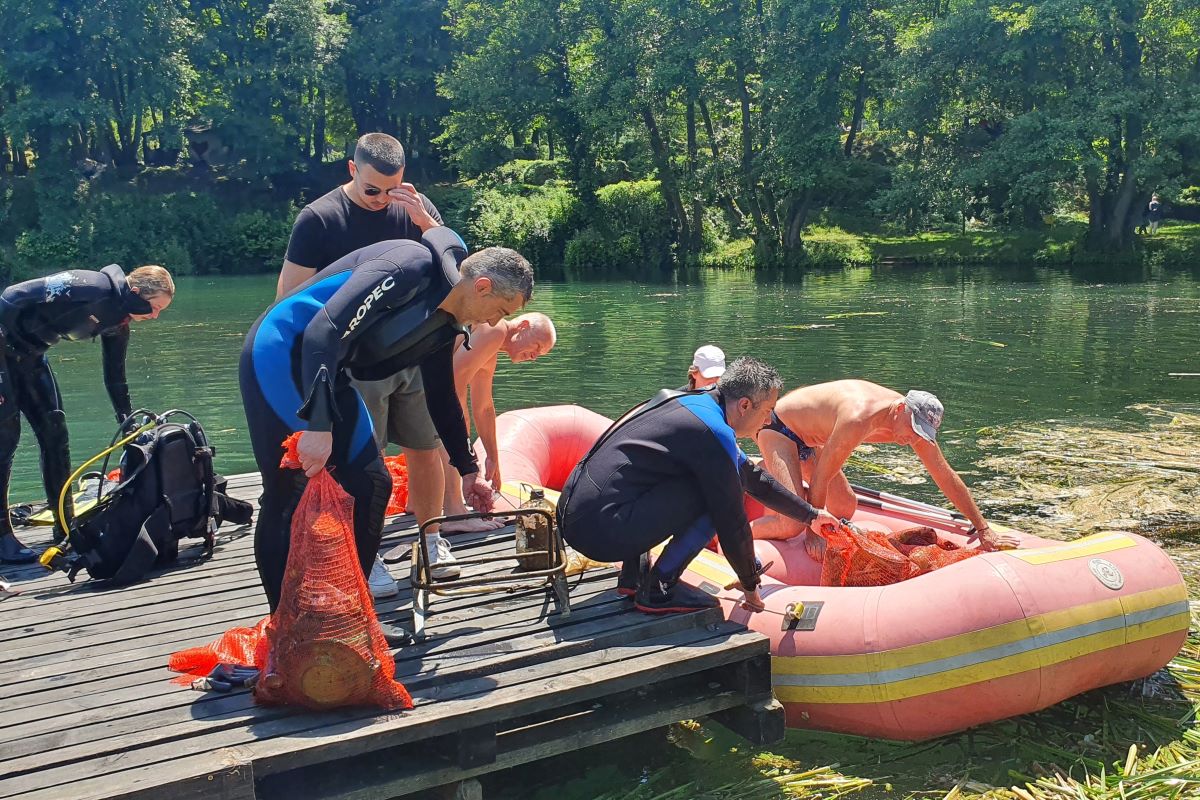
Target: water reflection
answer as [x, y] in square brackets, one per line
[998, 345]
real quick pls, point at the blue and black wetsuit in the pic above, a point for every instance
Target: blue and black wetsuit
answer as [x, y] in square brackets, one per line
[672, 470]
[367, 315]
[34, 316]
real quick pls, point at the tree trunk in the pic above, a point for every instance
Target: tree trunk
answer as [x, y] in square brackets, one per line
[1112, 211]
[797, 218]
[733, 215]
[764, 237]
[669, 186]
[697, 213]
[319, 140]
[856, 118]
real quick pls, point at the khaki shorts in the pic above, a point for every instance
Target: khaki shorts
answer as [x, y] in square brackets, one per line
[398, 411]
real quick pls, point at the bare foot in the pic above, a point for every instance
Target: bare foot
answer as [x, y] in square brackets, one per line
[471, 525]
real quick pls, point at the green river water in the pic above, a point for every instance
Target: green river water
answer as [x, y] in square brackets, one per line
[1008, 350]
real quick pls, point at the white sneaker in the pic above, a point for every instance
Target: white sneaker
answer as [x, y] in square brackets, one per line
[443, 564]
[381, 582]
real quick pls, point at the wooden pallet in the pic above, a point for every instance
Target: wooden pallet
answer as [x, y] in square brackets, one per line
[88, 710]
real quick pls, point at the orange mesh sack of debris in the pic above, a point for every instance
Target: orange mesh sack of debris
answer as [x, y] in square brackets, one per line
[324, 647]
[856, 557]
[236, 646]
[925, 549]
[397, 467]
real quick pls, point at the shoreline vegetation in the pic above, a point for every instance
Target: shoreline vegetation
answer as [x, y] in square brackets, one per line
[206, 225]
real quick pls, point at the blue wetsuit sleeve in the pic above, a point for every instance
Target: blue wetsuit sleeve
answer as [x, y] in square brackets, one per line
[441, 398]
[375, 287]
[114, 344]
[760, 485]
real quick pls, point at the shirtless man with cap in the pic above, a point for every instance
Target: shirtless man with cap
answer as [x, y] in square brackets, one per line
[814, 429]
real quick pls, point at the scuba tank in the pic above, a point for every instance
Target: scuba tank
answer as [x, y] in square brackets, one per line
[533, 532]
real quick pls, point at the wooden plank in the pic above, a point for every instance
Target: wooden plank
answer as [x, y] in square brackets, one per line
[394, 773]
[277, 745]
[83, 740]
[59, 688]
[155, 681]
[21, 656]
[190, 582]
[414, 663]
[43, 589]
[21, 677]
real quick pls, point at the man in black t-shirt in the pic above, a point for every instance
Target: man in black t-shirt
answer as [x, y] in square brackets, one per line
[376, 205]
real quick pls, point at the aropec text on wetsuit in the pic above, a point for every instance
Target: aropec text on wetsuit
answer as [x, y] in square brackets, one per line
[386, 285]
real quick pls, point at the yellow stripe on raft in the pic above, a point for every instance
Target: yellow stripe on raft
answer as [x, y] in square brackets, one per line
[973, 641]
[715, 568]
[965, 676]
[1087, 546]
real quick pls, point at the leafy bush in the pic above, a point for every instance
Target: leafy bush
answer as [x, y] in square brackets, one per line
[833, 247]
[738, 254]
[535, 221]
[38, 252]
[453, 201]
[529, 172]
[592, 251]
[630, 234]
[258, 241]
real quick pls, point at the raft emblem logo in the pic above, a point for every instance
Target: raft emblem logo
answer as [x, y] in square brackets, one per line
[1107, 573]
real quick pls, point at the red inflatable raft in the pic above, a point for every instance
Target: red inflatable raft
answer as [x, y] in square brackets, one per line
[993, 636]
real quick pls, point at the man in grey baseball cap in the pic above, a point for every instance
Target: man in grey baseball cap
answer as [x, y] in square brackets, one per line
[814, 429]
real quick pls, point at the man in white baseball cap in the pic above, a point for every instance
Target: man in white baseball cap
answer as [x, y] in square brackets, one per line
[813, 430]
[708, 365]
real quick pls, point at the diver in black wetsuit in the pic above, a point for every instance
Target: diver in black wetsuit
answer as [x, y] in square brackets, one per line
[34, 316]
[673, 469]
[380, 309]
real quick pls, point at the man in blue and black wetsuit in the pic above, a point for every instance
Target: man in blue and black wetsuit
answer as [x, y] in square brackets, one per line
[34, 316]
[673, 469]
[378, 310]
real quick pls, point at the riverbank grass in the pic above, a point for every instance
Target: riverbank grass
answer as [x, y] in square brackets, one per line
[850, 244]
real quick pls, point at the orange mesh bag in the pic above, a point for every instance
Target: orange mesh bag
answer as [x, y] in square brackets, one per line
[324, 648]
[398, 468]
[924, 548]
[856, 557]
[236, 646]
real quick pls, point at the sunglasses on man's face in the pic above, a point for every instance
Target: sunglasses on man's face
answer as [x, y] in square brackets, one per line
[372, 191]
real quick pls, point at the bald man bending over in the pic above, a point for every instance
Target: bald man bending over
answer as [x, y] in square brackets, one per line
[522, 339]
[814, 429]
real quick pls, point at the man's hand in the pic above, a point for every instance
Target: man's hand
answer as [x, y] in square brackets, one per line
[477, 492]
[313, 449]
[408, 199]
[752, 601]
[825, 523]
[989, 540]
[491, 472]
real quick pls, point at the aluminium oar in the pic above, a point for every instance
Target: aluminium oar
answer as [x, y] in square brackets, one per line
[897, 500]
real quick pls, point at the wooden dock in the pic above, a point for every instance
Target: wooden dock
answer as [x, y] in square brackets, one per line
[89, 711]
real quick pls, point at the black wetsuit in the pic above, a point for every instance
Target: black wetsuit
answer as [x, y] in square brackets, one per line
[367, 315]
[34, 316]
[673, 470]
